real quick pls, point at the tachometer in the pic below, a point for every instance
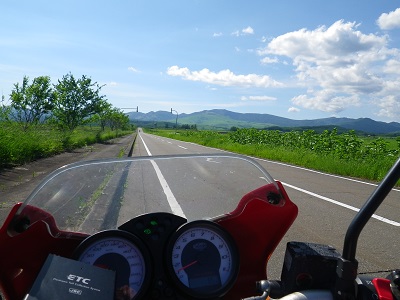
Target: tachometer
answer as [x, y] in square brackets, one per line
[203, 259]
[122, 252]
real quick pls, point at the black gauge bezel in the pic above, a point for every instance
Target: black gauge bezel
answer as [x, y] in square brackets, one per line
[228, 239]
[130, 238]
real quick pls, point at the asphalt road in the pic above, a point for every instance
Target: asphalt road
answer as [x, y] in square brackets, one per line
[327, 204]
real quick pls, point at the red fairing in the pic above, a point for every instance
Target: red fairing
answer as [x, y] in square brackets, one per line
[257, 227]
[22, 255]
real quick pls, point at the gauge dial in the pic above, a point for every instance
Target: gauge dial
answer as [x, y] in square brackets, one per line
[203, 259]
[119, 251]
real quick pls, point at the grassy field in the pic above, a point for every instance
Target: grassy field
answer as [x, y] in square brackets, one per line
[18, 146]
[343, 154]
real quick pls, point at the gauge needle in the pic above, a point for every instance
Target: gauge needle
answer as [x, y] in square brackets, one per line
[187, 266]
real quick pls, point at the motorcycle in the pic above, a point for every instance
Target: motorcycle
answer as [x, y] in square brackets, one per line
[174, 227]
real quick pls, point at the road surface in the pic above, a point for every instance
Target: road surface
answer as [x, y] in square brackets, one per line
[327, 204]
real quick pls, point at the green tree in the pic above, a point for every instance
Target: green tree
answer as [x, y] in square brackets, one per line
[31, 102]
[103, 113]
[76, 101]
[117, 119]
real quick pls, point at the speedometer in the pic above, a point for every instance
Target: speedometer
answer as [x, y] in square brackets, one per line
[122, 252]
[203, 259]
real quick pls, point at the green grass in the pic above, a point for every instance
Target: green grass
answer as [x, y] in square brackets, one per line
[18, 146]
[342, 154]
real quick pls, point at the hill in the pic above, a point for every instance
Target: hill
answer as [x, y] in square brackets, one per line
[221, 119]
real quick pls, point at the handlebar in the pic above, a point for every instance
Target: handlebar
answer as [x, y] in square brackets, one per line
[309, 295]
[271, 289]
[301, 295]
[367, 287]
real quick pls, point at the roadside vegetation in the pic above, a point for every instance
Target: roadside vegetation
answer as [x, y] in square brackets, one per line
[41, 119]
[344, 154]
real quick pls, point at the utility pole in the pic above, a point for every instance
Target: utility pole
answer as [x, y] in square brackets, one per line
[176, 121]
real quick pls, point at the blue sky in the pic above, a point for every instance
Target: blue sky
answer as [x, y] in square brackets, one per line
[300, 59]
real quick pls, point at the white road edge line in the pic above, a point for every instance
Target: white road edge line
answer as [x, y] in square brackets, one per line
[173, 203]
[319, 172]
[385, 220]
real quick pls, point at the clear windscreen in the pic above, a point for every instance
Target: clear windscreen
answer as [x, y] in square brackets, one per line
[98, 195]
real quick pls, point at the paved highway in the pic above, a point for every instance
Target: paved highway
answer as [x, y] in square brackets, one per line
[327, 204]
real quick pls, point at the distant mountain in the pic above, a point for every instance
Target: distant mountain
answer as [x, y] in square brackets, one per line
[222, 119]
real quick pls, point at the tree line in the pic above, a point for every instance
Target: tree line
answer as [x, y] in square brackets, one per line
[69, 103]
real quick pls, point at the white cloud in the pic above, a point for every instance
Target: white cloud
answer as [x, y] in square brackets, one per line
[217, 34]
[340, 66]
[224, 77]
[388, 100]
[134, 70]
[268, 60]
[293, 109]
[392, 66]
[245, 31]
[211, 88]
[248, 30]
[257, 98]
[390, 107]
[113, 83]
[326, 101]
[390, 20]
[339, 40]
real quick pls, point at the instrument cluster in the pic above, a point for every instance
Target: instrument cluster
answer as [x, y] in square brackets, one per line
[162, 256]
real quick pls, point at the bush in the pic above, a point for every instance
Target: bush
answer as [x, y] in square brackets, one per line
[18, 146]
